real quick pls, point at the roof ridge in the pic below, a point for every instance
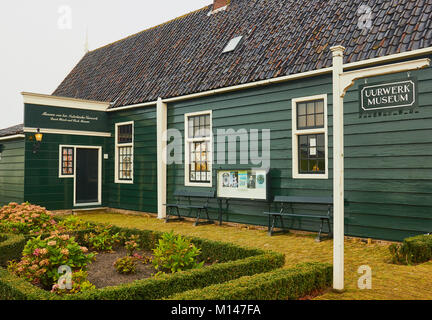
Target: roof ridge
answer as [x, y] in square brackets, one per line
[150, 28]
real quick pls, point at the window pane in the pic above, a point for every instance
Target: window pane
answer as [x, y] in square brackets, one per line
[310, 121]
[310, 115]
[320, 120]
[125, 163]
[301, 109]
[311, 154]
[301, 122]
[124, 133]
[319, 106]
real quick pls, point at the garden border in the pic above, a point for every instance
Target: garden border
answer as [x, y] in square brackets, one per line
[234, 262]
[280, 284]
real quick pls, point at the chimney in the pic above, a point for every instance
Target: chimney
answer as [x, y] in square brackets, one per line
[217, 4]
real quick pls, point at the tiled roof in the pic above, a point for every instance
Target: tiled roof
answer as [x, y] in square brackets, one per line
[280, 37]
[18, 129]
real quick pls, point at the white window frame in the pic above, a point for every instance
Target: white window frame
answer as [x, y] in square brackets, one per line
[61, 175]
[188, 140]
[117, 146]
[296, 133]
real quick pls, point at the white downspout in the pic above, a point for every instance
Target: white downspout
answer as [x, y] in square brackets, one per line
[338, 170]
[161, 129]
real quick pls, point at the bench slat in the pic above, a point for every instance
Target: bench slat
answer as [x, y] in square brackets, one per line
[304, 200]
[195, 194]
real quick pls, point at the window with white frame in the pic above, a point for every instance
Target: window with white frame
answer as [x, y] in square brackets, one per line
[124, 152]
[309, 137]
[198, 149]
[67, 161]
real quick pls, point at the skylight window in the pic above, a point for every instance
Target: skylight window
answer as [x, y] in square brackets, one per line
[232, 45]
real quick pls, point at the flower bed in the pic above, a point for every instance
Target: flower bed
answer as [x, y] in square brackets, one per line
[229, 262]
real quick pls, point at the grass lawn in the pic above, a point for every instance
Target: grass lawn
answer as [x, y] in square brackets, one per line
[388, 281]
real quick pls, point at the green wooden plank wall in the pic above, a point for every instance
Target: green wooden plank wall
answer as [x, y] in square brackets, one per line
[42, 183]
[12, 171]
[142, 194]
[388, 166]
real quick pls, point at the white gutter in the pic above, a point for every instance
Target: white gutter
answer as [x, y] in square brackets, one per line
[329, 70]
[16, 136]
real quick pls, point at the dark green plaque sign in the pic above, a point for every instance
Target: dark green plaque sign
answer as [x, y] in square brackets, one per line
[47, 117]
[388, 96]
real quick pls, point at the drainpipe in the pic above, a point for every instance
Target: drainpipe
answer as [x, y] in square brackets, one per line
[161, 128]
[338, 170]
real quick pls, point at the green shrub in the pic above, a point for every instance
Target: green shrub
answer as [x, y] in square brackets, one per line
[126, 265]
[175, 253]
[281, 284]
[79, 283]
[26, 219]
[11, 247]
[42, 258]
[412, 250]
[101, 239]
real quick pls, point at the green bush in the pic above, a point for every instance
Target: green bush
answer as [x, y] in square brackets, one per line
[175, 253]
[412, 250]
[125, 265]
[11, 247]
[42, 258]
[281, 284]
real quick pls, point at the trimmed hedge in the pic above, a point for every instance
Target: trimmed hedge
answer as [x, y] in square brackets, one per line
[412, 250]
[11, 247]
[234, 262]
[281, 284]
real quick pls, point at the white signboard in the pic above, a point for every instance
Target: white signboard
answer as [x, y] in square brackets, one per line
[242, 184]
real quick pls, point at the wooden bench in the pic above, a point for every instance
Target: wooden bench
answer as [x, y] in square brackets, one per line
[184, 200]
[286, 210]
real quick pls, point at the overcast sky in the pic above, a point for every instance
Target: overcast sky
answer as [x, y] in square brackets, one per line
[42, 40]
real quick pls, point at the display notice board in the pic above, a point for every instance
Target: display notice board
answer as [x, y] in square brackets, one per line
[243, 184]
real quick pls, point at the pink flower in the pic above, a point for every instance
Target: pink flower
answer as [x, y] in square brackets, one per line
[64, 237]
[84, 249]
[64, 251]
[52, 243]
[36, 252]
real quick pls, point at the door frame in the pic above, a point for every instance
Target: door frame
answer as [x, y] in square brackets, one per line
[99, 148]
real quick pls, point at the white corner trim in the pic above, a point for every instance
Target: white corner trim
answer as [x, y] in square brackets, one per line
[69, 132]
[295, 133]
[64, 102]
[15, 136]
[116, 154]
[187, 151]
[161, 127]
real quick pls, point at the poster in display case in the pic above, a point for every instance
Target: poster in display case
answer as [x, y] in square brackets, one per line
[243, 183]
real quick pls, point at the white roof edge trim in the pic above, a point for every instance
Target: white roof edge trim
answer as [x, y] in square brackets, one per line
[11, 137]
[64, 102]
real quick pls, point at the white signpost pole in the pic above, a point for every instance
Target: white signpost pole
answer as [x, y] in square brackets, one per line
[342, 81]
[338, 170]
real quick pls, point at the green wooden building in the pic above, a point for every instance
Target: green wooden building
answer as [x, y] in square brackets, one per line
[241, 85]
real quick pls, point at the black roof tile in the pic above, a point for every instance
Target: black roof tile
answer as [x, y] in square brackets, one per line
[281, 37]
